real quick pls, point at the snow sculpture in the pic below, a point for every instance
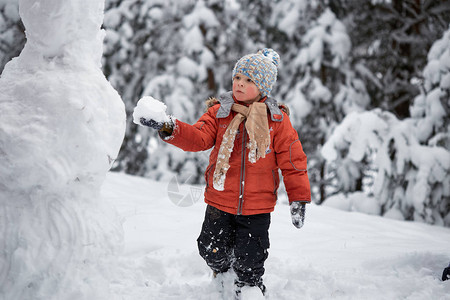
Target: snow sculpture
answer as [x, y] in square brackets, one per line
[61, 126]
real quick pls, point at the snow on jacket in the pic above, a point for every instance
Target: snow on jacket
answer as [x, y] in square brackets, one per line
[250, 188]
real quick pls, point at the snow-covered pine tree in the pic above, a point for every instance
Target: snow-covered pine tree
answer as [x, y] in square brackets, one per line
[414, 161]
[412, 155]
[390, 40]
[184, 86]
[387, 59]
[324, 90]
[148, 52]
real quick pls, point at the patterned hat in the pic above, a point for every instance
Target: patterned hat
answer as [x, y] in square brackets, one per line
[261, 68]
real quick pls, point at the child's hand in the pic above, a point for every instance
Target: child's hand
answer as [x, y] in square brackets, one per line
[298, 214]
[151, 123]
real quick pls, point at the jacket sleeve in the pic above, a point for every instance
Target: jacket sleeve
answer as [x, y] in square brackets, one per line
[292, 161]
[198, 137]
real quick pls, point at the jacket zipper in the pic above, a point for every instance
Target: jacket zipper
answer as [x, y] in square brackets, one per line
[242, 178]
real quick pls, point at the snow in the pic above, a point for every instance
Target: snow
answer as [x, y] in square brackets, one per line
[330, 33]
[63, 29]
[336, 255]
[287, 14]
[193, 40]
[357, 132]
[10, 9]
[150, 109]
[187, 67]
[201, 15]
[320, 92]
[253, 293]
[288, 22]
[61, 128]
[357, 201]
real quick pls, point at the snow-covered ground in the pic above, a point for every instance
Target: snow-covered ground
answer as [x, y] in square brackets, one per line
[336, 255]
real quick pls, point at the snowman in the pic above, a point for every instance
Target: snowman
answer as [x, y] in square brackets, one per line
[61, 127]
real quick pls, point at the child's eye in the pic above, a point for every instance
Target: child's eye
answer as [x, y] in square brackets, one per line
[237, 77]
[249, 80]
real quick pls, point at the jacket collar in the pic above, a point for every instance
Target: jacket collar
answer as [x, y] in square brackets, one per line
[226, 101]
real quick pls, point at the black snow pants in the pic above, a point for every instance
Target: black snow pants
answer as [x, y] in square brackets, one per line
[236, 241]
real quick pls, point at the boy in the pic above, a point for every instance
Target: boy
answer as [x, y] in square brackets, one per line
[252, 139]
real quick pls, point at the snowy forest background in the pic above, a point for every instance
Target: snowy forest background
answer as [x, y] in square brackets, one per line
[367, 83]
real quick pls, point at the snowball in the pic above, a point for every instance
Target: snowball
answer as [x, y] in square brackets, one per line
[150, 108]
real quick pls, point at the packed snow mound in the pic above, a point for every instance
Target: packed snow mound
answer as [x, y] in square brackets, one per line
[58, 127]
[61, 127]
[151, 109]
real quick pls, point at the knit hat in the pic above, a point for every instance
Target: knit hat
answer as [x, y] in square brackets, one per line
[261, 68]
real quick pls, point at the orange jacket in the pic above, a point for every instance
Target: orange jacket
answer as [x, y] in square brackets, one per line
[250, 188]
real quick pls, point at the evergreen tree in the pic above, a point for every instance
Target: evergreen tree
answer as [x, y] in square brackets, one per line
[324, 89]
[390, 41]
[414, 161]
[390, 44]
[144, 50]
[412, 155]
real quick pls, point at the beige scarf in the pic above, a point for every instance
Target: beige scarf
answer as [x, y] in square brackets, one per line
[257, 128]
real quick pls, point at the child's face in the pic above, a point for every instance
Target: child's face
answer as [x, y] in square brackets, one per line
[245, 90]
